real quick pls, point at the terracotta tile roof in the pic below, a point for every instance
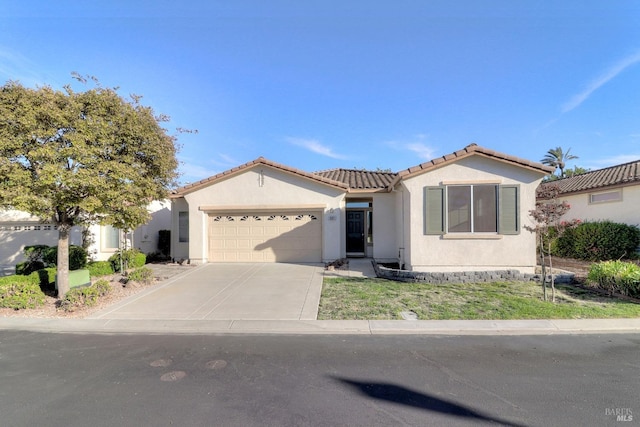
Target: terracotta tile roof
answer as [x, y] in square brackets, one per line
[368, 181]
[469, 150]
[259, 161]
[360, 179]
[615, 175]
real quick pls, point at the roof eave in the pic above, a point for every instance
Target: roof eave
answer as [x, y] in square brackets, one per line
[182, 191]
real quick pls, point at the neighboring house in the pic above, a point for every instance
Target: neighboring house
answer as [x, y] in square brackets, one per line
[611, 193]
[107, 239]
[464, 211]
[19, 229]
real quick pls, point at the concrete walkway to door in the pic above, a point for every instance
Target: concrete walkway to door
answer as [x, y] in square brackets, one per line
[269, 291]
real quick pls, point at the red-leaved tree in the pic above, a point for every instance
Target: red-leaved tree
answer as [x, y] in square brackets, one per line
[547, 216]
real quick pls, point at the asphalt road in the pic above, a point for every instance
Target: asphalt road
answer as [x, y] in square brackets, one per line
[125, 380]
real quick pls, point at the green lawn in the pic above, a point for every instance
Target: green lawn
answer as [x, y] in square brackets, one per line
[379, 299]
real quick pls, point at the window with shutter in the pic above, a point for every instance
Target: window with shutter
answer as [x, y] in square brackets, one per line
[482, 208]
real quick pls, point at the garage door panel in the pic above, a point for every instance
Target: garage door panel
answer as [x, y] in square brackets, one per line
[259, 237]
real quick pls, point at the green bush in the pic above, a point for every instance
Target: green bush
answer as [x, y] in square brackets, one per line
[34, 260]
[20, 292]
[102, 286]
[599, 241]
[141, 275]
[85, 296]
[100, 268]
[27, 267]
[156, 257]
[131, 258]
[616, 276]
[77, 257]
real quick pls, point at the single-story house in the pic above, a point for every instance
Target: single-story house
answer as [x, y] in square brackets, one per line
[611, 194]
[19, 229]
[460, 212]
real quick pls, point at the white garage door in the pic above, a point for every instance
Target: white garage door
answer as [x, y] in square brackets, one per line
[265, 237]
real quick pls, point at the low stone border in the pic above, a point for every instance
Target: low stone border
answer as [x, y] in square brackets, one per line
[464, 277]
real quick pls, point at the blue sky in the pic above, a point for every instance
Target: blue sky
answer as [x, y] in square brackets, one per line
[323, 84]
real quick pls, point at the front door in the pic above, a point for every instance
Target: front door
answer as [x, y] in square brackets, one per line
[355, 232]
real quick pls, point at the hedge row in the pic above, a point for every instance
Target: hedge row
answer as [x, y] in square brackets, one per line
[599, 241]
[85, 296]
[19, 292]
[41, 256]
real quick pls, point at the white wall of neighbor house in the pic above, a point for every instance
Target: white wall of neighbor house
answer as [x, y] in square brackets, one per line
[107, 240]
[145, 237]
[616, 204]
[260, 188]
[19, 229]
[469, 251]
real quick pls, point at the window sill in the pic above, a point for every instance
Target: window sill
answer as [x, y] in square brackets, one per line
[471, 236]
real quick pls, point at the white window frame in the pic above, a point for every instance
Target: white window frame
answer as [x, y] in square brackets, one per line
[617, 197]
[106, 229]
[183, 227]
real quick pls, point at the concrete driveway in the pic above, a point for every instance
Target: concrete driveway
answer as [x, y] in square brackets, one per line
[229, 292]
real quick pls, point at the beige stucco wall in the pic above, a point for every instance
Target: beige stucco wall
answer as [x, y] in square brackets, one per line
[456, 252]
[626, 211]
[179, 250]
[259, 188]
[384, 227]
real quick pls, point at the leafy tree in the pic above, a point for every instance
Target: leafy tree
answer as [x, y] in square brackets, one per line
[577, 170]
[547, 216]
[75, 158]
[557, 158]
[568, 173]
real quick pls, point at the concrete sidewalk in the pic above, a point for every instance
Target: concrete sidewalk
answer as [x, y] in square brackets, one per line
[335, 327]
[357, 268]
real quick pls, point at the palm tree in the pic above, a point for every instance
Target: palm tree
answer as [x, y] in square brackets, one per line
[557, 158]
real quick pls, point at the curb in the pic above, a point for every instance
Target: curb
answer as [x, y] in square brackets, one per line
[322, 327]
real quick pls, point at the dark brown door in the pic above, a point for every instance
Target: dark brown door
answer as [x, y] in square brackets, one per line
[355, 231]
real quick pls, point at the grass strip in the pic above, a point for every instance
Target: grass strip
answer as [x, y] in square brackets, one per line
[379, 299]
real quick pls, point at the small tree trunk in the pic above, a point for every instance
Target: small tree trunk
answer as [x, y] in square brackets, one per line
[553, 281]
[63, 260]
[544, 269]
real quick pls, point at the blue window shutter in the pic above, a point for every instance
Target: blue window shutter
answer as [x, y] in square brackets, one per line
[434, 198]
[509, 209]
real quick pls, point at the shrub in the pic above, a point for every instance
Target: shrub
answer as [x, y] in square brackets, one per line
[20, 292]
[141, 275]
[617, 276]
[27, 267]
[131, 258]
[77, 257]
[599, 241]
[100, 268]
[102, 286]
[156, 257]
[85, 296]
